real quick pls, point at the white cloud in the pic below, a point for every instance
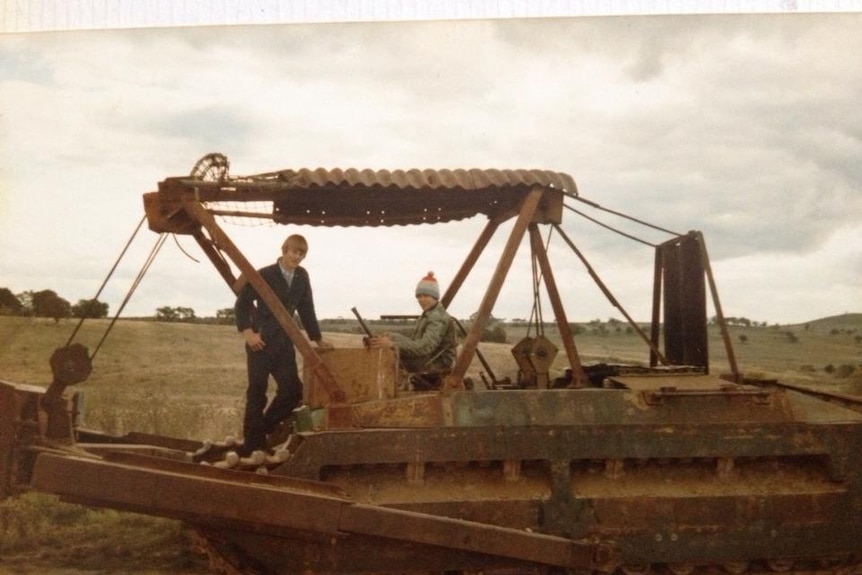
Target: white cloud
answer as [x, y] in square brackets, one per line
[746, 128]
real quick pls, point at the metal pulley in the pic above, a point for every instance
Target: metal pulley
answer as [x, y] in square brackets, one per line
[521, 352]
[71, 364]
[534, 356]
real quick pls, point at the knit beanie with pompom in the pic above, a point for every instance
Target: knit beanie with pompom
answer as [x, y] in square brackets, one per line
[428, 286]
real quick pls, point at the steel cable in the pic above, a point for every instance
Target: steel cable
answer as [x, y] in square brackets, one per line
[144, 268]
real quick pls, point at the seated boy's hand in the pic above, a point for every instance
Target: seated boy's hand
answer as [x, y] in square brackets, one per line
[324, 345]
[379, 341]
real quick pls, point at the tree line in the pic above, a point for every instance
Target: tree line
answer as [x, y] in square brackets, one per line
[46, 303]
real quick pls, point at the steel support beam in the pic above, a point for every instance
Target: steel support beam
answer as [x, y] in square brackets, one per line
[528, 208]
[557, 305]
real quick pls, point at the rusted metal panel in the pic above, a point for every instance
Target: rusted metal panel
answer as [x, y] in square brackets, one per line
[360, 554]
[690, 382]
[20, 424]
[207, 471]
[425, 410]
[176, 443]
[8, 427]
[685, 335]
[853, 402]
[715, 510]
[469, 536]
[529, 441]
[142, 449]
[609, 407]
[356, 554]
[194, 498]
[709, 529]
[522, 508]
[365, 374]
[391, 206]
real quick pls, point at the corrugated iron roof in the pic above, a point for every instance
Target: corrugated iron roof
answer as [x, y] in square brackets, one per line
[472, 179]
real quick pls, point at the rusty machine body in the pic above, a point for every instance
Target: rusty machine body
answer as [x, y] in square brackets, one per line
[663, 466]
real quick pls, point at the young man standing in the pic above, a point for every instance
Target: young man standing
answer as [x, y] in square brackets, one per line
[269, 350]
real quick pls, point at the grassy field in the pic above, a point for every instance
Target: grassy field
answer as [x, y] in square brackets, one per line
[188, 380]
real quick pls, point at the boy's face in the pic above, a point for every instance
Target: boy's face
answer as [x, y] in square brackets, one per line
[426, 302]
[292, 257]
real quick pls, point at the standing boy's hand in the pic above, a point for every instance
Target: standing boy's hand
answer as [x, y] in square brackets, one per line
[253, 340]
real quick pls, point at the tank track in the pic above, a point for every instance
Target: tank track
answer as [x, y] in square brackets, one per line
[796, 566]
[226, 559]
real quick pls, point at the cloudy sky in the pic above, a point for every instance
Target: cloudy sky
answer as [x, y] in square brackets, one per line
[745, 127]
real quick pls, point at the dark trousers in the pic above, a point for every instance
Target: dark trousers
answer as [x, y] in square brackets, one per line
[279, 361]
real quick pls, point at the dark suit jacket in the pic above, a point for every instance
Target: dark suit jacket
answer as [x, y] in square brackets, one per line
[251, 311]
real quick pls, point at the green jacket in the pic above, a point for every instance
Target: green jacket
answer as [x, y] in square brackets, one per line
[432, 346]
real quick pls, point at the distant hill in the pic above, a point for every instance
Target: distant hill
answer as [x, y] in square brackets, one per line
[845, 321]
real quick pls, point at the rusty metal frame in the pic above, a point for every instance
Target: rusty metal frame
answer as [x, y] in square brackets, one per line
[529, 205]
[181, 206]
